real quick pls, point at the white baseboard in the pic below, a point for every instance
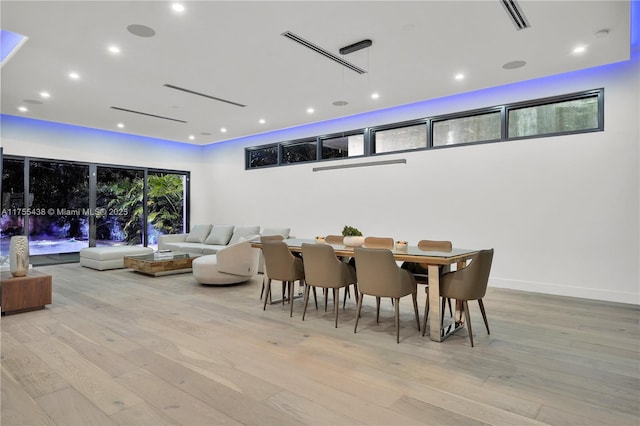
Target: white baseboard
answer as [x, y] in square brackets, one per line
[564, 290]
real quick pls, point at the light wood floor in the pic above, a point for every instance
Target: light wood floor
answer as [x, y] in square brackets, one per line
[116, 347]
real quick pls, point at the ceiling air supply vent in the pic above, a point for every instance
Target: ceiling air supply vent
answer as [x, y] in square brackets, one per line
[323, 52]
[516, 14]
[147, 114]
[204, 95]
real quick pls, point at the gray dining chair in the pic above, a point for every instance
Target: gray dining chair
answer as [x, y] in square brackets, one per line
[263, 239]
[469, 283]
[421, 273]
[323, 269]
[281, 265]
[379, 276]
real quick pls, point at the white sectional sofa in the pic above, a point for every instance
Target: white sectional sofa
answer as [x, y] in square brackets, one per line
[209, 239]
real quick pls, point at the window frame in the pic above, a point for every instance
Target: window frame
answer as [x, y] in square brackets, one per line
[391, 126]
[598, 93]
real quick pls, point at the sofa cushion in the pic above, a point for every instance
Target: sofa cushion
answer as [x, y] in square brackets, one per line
[277, 231]
[198, 234]
[244, 231]
[220, 235]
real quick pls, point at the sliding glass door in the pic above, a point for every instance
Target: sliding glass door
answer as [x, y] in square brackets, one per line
[119, 203]
[69, 205]
[58, 207]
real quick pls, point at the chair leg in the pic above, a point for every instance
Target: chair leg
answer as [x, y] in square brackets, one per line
[336, 303]
[291, 298]
[397, 309]
[450, 310]
[426, 312]
[378, 309]
[262, 291]
[414, 296]
[315, 297]
[306, 300]
[267, 296]
[442, 316]
[465, 307]
[355, 328]
[484, 315]
[326, 297]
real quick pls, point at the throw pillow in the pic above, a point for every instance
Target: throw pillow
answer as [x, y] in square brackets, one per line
[198, 234]
[243, 231]
[220, 235]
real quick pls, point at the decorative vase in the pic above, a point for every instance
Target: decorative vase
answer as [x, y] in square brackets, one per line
[352, 241]
[19, 256]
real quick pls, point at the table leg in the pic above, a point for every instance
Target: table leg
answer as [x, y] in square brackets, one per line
[434, 303]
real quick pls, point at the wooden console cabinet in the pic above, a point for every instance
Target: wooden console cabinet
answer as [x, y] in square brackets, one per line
[28, 293]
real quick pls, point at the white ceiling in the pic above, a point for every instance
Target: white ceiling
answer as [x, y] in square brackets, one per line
[235, 51]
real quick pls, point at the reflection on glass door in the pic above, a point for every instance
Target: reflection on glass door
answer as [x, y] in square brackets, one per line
[59, 211]
[119, 213]
[166, 201]
[13, 208]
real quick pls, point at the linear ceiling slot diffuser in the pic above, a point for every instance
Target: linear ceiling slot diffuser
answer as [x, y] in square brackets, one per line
[323, 52]
[147, 114]
[193, 92]
[516, 14]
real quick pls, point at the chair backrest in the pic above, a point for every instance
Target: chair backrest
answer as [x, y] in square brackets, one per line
[280, 263]
[378, 242]
[238, 259]
[379, 275]
[265, 238]
[469, 283]
[433, 245]
[322, 267]
[333, 239]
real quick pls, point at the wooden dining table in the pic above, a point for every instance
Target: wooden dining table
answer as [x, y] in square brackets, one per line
[431, 260]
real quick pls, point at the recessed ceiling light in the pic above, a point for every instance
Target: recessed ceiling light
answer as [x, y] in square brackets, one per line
[45, 95]
[578, 50]
[262, 121]
[310, 110]
[375, 95]
[114, 49]
[223, 130]
[74, 75]
[177, 7]
[340, 103]
[120, 126]
[191, 137]
[459, 76]
[23, 109]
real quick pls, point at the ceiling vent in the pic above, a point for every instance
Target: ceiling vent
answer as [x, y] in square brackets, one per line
[193, 92]
[147, 114]
[323, 52]
[516, 14]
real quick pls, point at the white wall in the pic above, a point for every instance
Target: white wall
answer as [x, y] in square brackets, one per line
[561, 212]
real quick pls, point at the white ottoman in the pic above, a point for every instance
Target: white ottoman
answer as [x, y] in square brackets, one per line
[109, 257]
[234, 264]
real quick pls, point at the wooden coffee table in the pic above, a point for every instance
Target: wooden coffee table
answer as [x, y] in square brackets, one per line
[23, 294]
[157, 264]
